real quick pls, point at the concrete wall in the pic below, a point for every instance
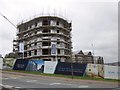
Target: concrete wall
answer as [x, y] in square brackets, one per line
[50, 67]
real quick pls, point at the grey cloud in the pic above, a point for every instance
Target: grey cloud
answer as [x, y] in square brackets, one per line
[92, 23]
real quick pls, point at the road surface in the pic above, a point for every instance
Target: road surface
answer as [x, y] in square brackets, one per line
[18, 80]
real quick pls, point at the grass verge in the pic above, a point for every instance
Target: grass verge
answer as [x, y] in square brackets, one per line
[65, 76]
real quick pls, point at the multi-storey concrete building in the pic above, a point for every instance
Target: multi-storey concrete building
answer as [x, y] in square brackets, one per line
[45, 37]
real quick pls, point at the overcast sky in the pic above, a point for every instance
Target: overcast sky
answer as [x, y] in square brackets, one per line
[94, 22]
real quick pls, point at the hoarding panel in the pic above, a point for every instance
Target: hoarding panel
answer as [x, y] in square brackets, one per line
[20, 64]
[65, 68]
[92, 69]
[101, 70]
[31, 66]
[111, 72]
[50, 66]
[39, 64]
[95, 70]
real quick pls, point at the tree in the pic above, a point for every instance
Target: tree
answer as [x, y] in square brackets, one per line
[11, 55]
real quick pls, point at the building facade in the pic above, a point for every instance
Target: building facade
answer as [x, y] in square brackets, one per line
[45, 37]
[86, 57]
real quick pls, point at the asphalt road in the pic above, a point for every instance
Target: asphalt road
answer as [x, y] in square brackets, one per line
[11, 80]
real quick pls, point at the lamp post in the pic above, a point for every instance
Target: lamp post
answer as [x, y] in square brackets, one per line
[92, 48]
[93, 53]
[71, 62]
[72, 68]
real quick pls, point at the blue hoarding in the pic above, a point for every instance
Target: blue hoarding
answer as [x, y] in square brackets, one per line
[29, 65]
[20, 64]
[66, 68]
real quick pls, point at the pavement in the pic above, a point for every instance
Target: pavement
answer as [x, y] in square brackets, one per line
[21, 80]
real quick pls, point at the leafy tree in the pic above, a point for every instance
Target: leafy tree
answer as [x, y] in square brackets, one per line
[11, 55]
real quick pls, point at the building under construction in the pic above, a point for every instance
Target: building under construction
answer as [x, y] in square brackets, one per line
[45, 37]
